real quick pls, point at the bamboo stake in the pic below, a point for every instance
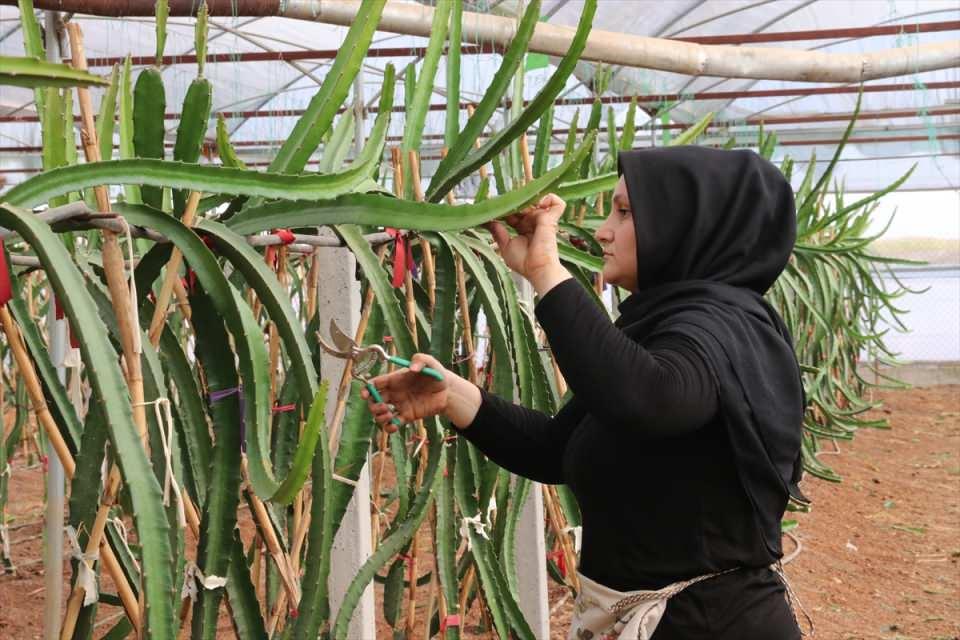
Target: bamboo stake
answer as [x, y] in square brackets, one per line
[472, 373]
[35, 391]
[172, 275]
[450, 199]
[300, 536]
[558, 524]
[45, 419]
[313, 277]
[182, 299]
[256, 566]
[465, 590]
[269, 535]
[411, 311]
[429, 268]
[274, 340]
[126, 314]
[527, 160]
[476, 144]
[383, 452]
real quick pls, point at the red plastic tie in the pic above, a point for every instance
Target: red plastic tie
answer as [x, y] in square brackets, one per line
[6, 286]
[45, 463]
[558, 557]
[59, 315]
[286, 236]
[449, 621]
[283, 408]
[270, 256]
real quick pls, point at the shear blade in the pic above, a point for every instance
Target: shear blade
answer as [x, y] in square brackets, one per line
[331, 349]
[340, 339]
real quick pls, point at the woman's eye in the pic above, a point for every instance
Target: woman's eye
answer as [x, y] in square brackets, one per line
[624, 212]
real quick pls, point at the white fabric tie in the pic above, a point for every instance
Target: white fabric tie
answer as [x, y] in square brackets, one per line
[165, 427]
[86, 578]
[347, 481]
[192, 576]
[122, 532]
[577, 537]
[491, 510]
[478, 525]
[5, 541]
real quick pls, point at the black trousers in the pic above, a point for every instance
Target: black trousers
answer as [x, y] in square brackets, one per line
[749, 604]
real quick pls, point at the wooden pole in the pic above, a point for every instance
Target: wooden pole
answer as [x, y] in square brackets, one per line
[172, 275]
[42, 412]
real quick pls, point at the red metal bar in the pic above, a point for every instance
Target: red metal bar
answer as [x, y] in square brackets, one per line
[285, 56]
[881, 139]
[825, 34]
[792, 143]
[646, 99]
[766, 121]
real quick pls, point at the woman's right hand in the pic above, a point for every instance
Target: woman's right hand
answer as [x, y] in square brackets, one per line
[410, 395]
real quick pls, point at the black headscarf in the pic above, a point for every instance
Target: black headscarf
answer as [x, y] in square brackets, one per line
[714, 230]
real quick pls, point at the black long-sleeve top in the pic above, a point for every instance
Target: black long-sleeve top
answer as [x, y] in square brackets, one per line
[642, 446]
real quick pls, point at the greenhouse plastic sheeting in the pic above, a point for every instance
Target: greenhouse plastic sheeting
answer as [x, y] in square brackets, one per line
[269, 87]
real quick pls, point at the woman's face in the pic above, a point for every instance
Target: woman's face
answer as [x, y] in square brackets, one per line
[619, 241]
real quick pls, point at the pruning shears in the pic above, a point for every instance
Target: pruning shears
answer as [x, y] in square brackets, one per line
[365, 359]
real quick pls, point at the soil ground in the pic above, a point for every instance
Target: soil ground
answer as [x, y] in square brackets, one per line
[880, 555]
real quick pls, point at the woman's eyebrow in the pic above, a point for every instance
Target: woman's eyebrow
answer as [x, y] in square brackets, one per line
[619, 199]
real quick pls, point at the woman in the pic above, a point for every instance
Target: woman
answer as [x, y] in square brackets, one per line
[682, 439]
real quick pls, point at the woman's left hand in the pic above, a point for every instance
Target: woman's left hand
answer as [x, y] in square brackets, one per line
[533, 251]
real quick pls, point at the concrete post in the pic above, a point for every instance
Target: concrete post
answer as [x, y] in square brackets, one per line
[338, 298]
[53, 517]
[531, 544]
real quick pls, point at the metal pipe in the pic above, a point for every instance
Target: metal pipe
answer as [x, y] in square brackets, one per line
[84, 217]
[658, 99]
[922, 112]
[490, 48]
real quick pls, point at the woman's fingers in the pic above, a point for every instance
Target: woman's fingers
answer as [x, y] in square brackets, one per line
[420, 360]
[500, 235]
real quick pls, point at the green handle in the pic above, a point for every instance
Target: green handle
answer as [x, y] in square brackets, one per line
[403, 362]
[378, 398]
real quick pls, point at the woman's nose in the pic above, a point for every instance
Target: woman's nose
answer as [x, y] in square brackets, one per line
[602, 234]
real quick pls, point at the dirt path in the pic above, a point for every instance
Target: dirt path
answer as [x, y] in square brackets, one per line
[880, 557]
[881, 551]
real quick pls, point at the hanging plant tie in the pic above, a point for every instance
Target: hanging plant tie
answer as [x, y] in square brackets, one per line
[165, 423]
[193, 576]
[402, 257]
[6, 286]
[216, 396]
[286, 236]
[449, 621]
[557, 557]
[478, 525]
[86, 579]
